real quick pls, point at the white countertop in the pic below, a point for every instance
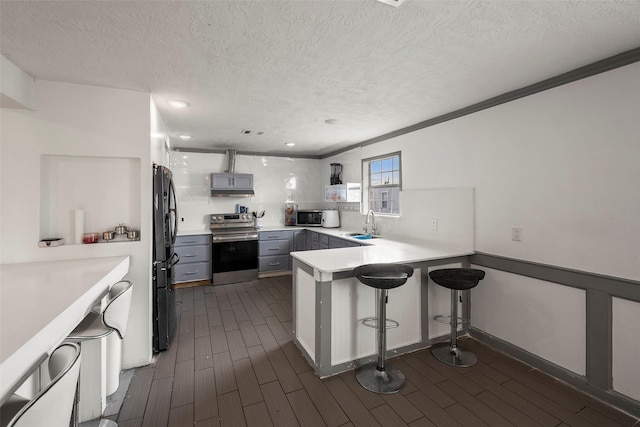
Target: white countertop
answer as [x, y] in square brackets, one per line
[378, 250]
[41, 302]
[387, 249]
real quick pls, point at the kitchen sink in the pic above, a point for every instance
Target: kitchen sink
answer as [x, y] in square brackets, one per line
[360, 236]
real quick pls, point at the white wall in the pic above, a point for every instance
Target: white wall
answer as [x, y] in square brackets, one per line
[84, 121]
[17, 88]
[160, 142]
[564, 165]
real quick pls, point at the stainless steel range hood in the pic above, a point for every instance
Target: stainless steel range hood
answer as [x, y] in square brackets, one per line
[229, 183]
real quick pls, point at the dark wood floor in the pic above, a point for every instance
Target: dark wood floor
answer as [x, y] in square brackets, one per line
[234, 364]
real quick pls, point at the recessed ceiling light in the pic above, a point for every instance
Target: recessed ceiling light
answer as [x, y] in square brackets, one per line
[289, 144]
[178, 103]
[331, 121]
[185, 136]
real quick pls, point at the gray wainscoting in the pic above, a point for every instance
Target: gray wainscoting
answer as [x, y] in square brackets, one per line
[599, 292]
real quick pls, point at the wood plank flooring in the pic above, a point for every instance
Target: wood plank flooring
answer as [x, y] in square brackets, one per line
[233, 363]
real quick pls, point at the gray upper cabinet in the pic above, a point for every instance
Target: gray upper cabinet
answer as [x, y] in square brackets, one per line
[231, 181]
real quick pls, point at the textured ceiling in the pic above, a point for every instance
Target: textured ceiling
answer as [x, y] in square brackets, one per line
[284, 67]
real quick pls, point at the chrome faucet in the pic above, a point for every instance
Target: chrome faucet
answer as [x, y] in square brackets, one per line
[370, 229]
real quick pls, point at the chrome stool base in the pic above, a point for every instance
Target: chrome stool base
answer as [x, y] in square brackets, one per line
[455, 356]
[387, 381]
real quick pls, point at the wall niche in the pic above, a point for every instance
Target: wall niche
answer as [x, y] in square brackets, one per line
[105, 189]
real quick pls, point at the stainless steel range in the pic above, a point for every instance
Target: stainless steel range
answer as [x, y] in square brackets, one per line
[235, 248]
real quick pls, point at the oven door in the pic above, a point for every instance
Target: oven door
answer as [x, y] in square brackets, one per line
[234, 261]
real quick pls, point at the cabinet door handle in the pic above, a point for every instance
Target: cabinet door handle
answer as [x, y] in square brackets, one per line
[274, 263]
[190, 241]
[190, 273]
[274, 249]
[189, 255]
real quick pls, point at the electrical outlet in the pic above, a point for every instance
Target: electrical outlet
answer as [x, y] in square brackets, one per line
[434, 224]
[516, 234]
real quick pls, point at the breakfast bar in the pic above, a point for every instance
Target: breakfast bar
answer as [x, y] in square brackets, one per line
[330, 303]
[40, 303]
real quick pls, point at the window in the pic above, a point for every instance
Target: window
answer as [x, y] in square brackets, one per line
[381, 176]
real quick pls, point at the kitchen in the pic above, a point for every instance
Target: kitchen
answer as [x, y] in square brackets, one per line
[568, 178]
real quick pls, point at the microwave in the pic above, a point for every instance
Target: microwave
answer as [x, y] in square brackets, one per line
[309, 218]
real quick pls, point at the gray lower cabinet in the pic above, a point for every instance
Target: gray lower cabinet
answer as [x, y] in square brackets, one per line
[336, 242]
[195, 258]
[323, 241]
[312, 240]
[274, 247]
[299, 240]
[315, 240]
[273, 250]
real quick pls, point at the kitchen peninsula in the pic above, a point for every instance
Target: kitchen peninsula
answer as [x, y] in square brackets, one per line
[330, 303]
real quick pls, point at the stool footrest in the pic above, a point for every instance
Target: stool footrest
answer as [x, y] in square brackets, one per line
[372, 322]
[446, 319]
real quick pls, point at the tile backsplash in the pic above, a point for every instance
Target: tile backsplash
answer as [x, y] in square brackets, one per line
[276, 180]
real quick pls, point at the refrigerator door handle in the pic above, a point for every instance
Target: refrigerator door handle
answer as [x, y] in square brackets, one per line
[173, 260]
[174, 210]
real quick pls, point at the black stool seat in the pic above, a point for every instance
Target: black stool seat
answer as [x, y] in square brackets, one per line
[383, 276]
[378, 377]
[457, 278]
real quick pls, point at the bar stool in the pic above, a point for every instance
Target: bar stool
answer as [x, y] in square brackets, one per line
[456, 279]
[96, 325]
[54, 403]
[377, 377]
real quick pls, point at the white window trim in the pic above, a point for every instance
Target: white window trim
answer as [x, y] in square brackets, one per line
[364, 168]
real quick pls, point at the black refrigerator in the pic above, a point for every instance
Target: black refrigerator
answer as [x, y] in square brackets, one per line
[165, 227]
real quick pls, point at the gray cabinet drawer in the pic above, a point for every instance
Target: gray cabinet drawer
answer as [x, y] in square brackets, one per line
[198, 239]
[275, 247]
[199, 253]
[274, 263]
[275, 235]
[192, 271]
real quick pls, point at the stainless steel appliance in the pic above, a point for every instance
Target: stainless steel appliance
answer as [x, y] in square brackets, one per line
[165, 228]
[234, 249]
[309, 218]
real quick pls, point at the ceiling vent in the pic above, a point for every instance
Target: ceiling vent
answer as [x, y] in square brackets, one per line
[394, 3]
